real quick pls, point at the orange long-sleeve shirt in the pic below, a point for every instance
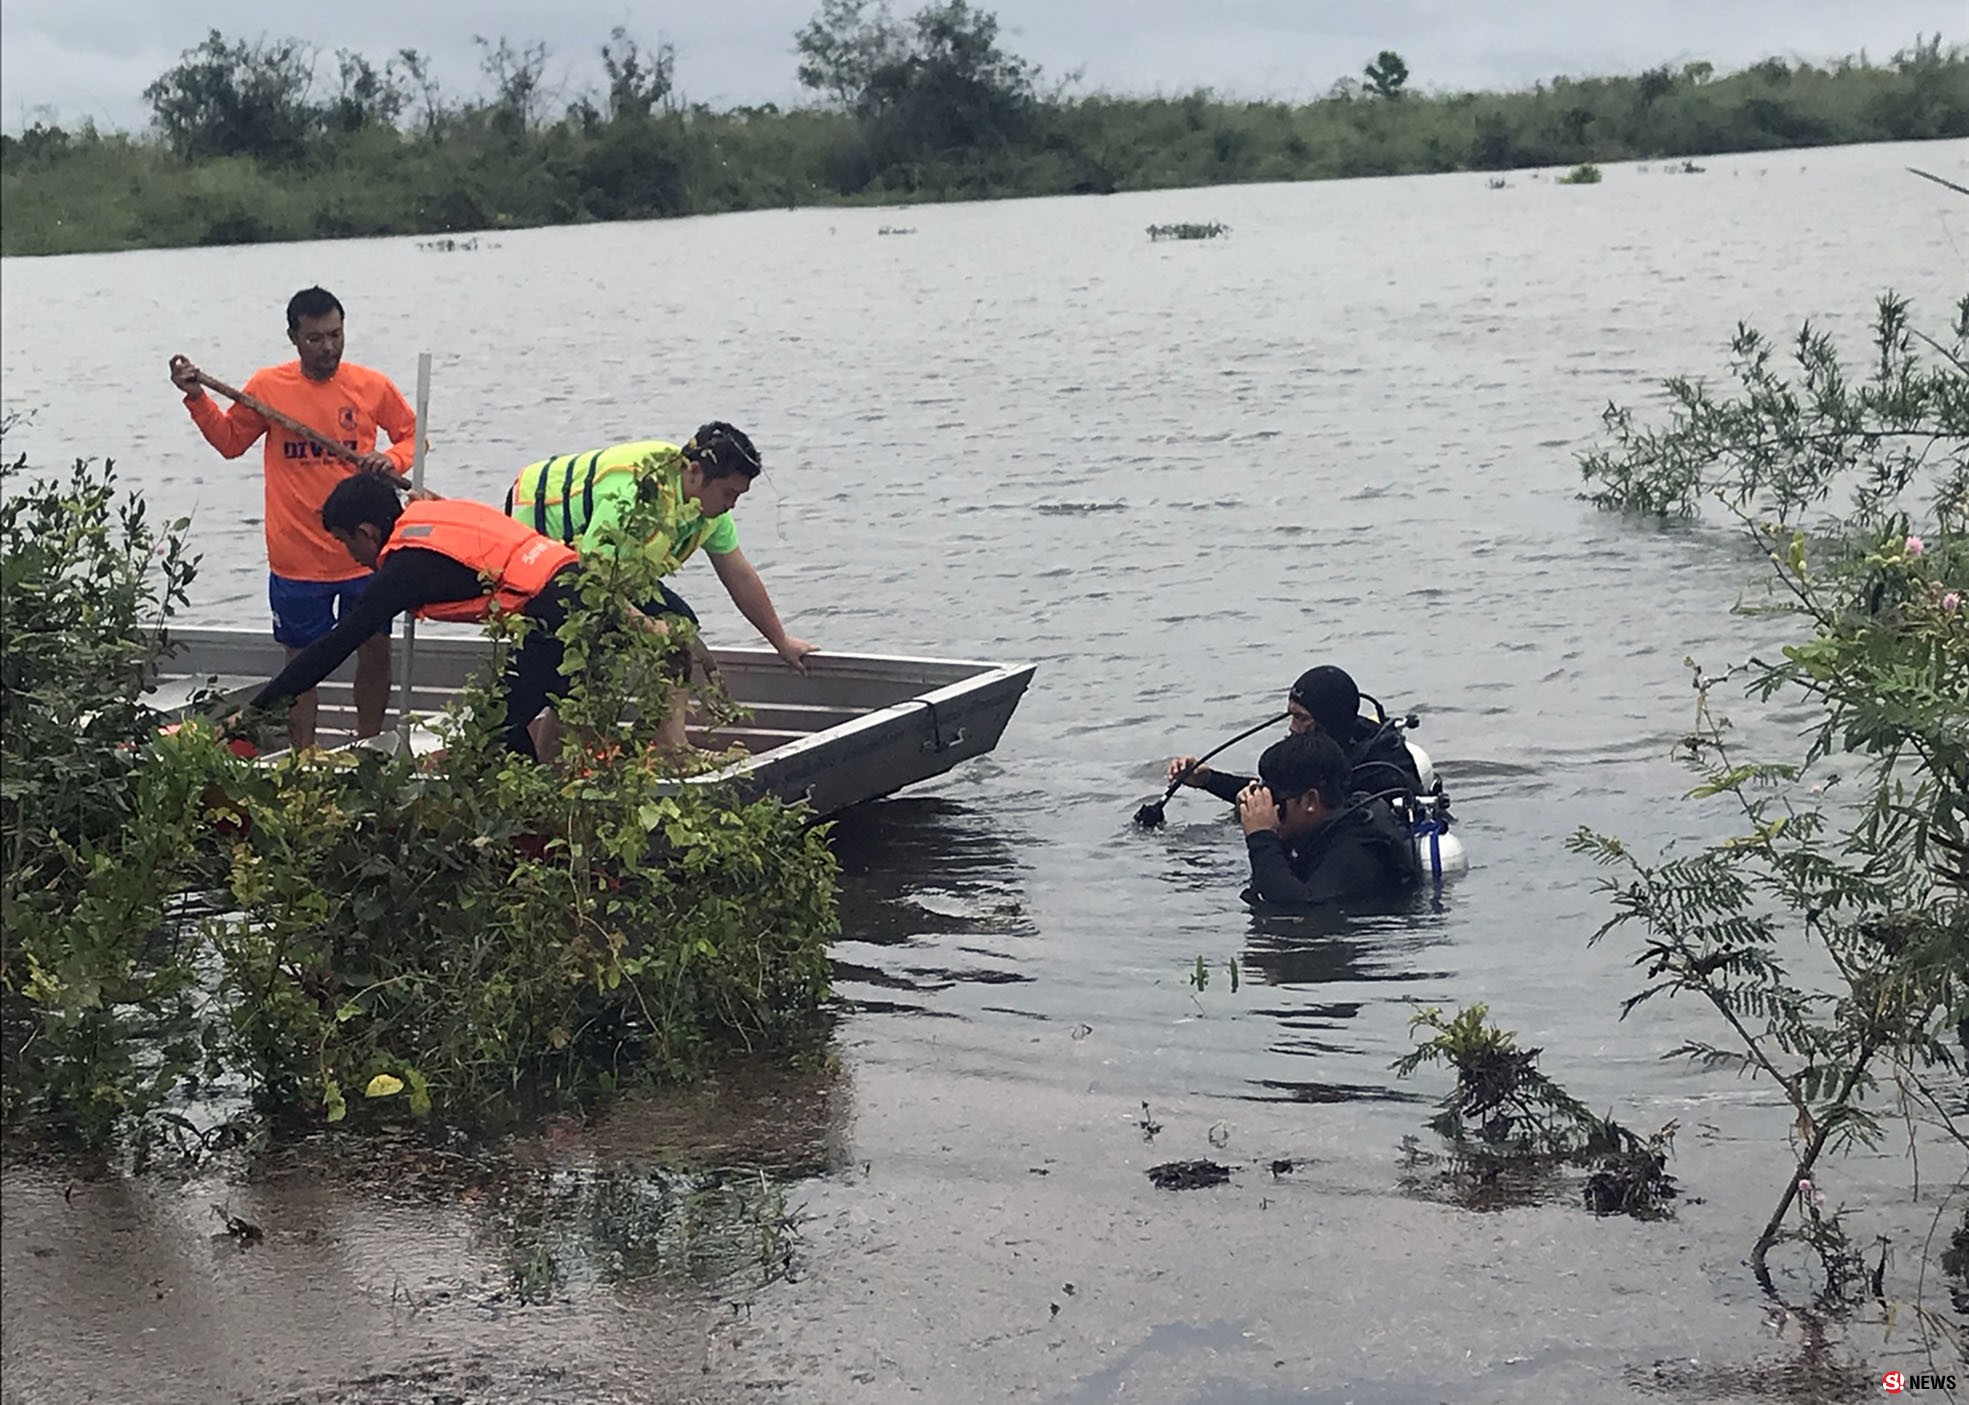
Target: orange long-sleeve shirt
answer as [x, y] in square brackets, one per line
[349, 406]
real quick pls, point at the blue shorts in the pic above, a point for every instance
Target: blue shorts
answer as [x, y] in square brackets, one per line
[303, 611]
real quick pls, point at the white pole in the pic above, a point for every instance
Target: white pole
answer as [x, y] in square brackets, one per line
[416, 481]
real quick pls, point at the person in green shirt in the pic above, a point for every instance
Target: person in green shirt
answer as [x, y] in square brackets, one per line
[580, 498]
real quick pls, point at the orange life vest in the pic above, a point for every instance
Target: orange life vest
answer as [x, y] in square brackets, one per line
[515, 561]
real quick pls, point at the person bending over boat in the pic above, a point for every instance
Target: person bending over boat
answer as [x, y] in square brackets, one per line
[444, 560]
[580, 498]
[1324, 700]
[1313, 840]
[311, 582]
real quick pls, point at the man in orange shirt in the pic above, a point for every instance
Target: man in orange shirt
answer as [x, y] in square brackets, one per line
[312, 581]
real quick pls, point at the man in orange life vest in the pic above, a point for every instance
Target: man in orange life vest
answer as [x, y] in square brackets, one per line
[311, 581]
[443, 560]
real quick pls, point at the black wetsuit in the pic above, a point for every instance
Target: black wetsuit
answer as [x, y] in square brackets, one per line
[1363, 853]
[411, 577]
[1380, 758]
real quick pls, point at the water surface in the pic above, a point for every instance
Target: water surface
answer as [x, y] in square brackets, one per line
[1174, 475]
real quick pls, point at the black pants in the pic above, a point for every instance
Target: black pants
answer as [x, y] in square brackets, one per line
[533, 675]
[667, 602]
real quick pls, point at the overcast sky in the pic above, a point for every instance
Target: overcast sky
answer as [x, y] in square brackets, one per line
[77, 58]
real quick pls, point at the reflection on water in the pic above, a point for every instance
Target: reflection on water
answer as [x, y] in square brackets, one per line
[581, 1262]
[932, 897]
[1334, 964]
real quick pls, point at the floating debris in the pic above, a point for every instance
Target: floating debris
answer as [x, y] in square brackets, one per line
[1188, 231]
[896, 229]
[1188, 1175]
[448, 246]
[1077, 509]
[240, 1230]
[1585, 173]
[1497, 183]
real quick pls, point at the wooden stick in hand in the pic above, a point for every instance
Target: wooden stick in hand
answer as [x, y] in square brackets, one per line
[295, 427]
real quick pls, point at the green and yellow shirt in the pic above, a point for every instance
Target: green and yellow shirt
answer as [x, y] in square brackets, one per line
[575, 498]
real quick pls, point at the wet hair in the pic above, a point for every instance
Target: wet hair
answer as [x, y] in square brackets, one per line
[1329, 694]
[362, 500]
[311, 302]
[1309, 761]
[721, 450]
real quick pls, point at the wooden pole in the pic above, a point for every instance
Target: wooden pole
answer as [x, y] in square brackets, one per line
[416, 484]
[303, 432]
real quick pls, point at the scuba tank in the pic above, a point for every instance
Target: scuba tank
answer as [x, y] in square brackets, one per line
[1425, 812]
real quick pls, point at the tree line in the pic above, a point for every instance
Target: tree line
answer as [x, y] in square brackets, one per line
[269, 139]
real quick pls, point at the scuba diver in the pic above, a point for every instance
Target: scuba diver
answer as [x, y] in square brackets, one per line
[1313, 839]
[1325, 700]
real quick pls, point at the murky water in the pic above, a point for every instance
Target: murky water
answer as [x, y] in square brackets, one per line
[1174, 475]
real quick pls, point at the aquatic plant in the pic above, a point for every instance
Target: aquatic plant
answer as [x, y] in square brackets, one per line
[1509, 1124]
[1855, 492]
[1501, 1097]
[1188, 231]
[379, 934]
[1586, 173]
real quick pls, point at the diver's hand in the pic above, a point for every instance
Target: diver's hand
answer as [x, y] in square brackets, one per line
[1255, 810]
[1195, 778]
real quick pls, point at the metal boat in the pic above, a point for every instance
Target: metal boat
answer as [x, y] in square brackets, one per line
[853, 728]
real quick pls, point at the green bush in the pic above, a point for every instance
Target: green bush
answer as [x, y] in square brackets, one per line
[1855, 490]
[98, 1014]
[949, 114]
[470, 938]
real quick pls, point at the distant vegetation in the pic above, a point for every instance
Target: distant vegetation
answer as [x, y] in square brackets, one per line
[270, 140]
[1188, 231]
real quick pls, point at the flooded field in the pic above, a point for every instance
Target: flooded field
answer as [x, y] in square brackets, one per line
[1174, 475]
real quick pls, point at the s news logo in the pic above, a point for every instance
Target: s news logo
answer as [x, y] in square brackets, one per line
[1894, 1382]
[1900, 1382]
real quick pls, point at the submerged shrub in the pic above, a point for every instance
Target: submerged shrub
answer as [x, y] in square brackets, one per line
[1510, 1127]
[97, 983]
[1829, 933]
[466, 937]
